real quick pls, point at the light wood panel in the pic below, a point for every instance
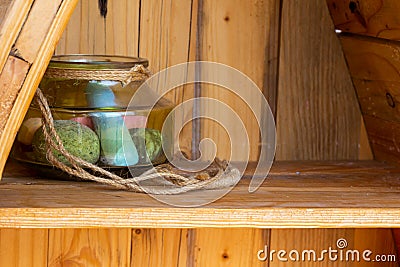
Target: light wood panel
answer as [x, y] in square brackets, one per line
[34, 45]
[36, 27]
[379, 241]
[236, 33]
[168, 37]
[89, 247]
[13, 15]
[307, 239]
[160, 247]
[23, 247]
[297, 194]
[368, 17]
[318, 116]
[229, 247]
[89, 33]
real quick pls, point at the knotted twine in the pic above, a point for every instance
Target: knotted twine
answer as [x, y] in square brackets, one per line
[135, 74]
[164, 179]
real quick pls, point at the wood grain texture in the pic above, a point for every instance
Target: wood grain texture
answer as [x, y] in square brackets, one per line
[374, 65]
[379, 241]
[377, 18]
[365, 151]
[167, 37]
[384, 137]
[23, 247]
[318, 116]
[23, 95]
[306, 239]
[297, 194]
[396, 237]
[89, 247]
[4, 6]
[88, 33]
[159, 247]
[236, 33]
[12, 78]
[375, 69]
[35, 29]
[14, 14]
[229, 247]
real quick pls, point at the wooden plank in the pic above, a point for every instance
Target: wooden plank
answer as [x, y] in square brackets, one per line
[166, 39]
[159, 247]
[396, 237]
[43, 45]
[70, 42]
[88, 33]
[271, 61]
[237, 33]
[229, 247]
[35, 29]
[367, 17]
[384, 136]
[11, 82]
[318, 116]
[89, 247]
[379, 241]
[306, 239]
[347, 194]
[23, 247]
[11, 24]
[374, 68]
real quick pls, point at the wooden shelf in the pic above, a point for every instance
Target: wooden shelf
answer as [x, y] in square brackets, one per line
[296, 195]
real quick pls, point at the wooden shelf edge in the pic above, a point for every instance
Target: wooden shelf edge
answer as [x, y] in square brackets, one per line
[200, 218]
[345, 194]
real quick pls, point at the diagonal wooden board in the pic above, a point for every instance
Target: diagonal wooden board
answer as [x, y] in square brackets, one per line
[29, 34]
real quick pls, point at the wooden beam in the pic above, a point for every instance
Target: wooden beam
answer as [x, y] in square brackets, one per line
[33, 47]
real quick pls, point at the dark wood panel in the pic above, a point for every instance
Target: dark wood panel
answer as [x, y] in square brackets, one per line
[379, 18]
[374, 65]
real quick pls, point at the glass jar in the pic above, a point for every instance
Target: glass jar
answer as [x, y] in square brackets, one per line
[89, 98]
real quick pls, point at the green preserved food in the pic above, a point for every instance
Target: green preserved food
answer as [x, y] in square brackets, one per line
[78, 139]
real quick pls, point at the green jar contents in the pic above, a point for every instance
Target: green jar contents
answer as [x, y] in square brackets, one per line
[89, 97]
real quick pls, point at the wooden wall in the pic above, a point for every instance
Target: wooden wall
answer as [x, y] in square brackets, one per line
[371, 45]
[289, 48]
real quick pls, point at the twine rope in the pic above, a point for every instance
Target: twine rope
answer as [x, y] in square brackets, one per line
[225, 176]
[137, 73]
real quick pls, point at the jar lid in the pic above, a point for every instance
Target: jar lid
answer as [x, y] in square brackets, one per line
[81, 61]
